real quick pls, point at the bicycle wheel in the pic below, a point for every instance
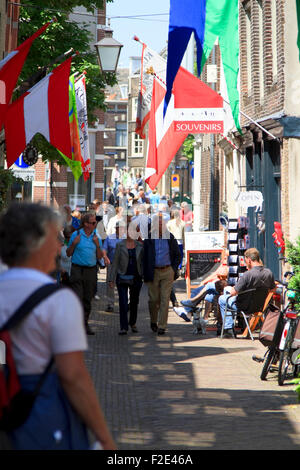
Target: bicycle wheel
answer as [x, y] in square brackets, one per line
[284, 363]
[267, 363]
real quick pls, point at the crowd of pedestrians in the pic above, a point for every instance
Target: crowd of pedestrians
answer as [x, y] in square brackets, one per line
[138, 236]
[137, 239]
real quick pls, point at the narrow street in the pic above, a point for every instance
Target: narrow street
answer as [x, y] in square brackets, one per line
[185, 391]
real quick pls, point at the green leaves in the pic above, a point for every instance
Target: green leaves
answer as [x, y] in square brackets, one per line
[188, 147]
[58, 39]
[293, 257]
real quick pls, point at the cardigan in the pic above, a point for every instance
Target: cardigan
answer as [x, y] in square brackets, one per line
[121, 259]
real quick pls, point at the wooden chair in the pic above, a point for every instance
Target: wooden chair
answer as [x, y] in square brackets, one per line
[256, 299]
[258, 316]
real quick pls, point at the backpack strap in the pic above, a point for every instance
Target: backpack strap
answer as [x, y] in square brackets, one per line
[28, 305]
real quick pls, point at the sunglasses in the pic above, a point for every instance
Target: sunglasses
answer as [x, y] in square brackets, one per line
[92, 223]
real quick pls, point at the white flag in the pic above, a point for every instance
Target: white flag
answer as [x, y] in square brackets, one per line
[151, 62]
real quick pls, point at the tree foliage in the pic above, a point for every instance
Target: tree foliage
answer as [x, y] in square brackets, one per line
[59, 37]
[188, 147]
[293, 257]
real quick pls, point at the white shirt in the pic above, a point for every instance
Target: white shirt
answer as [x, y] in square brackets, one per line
[55, 326]
[115, 174]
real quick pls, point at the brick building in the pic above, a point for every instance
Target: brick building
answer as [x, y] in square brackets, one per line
[270, 72]
[115, 126]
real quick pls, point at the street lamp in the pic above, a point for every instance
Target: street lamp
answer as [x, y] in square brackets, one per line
[108, 52]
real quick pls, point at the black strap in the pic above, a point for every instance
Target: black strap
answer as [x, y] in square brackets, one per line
[28, 305]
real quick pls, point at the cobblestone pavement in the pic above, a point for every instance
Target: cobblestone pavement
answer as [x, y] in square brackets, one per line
[185, 391]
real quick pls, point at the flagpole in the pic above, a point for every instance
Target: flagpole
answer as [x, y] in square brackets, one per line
[252, 120]
[34, 78]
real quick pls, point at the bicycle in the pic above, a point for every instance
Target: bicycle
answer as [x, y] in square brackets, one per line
[288, 356]
[271, 357]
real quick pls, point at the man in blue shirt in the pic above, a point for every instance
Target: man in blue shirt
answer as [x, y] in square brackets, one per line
[109, 248]
[161, 260]
[154, 197]
[85, 248]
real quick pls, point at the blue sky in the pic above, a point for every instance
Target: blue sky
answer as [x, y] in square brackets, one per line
[151, 30]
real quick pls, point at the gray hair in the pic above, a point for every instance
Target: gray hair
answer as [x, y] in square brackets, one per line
[23, 229]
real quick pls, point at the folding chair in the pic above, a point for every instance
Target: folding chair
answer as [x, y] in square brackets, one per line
[255, 301]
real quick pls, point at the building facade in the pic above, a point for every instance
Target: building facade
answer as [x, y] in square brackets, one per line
[270, 72]
[116, 126]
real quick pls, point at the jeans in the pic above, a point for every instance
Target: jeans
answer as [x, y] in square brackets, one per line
[209, 297]
[228, 321]
[134, 292]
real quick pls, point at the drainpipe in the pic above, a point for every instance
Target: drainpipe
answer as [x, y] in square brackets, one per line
[237, 181]
[212, 162]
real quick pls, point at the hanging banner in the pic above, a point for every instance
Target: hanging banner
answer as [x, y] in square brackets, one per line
[81, 105]
[199, 120]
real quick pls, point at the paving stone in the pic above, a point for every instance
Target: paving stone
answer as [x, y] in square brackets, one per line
[186, 391]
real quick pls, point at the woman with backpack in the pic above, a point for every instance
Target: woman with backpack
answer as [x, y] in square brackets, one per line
[85, 248]
[50, 339]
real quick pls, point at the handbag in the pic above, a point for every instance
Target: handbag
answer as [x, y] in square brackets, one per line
[126, 279]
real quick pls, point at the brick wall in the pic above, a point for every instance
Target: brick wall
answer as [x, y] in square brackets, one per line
[273, 100]
[11, 38]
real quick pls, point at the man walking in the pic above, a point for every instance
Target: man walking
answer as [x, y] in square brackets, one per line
[161, 260]
[257, 277]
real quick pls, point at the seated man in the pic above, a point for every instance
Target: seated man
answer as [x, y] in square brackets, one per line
[257, 277]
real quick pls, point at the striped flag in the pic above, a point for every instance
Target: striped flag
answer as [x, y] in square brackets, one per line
[150, 60]
[82, 116]
[43, 109]
[76, 162]
[164, 142]
[208, 20]
[10, 69]
[189, 96]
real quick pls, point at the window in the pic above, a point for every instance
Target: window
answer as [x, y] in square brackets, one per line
[134, 108]
[124, 91]
[121, 134]
[138, 146]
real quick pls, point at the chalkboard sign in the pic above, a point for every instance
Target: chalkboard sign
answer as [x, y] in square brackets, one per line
[201, 264]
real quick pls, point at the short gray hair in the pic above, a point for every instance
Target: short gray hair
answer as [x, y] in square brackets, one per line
[23, 229]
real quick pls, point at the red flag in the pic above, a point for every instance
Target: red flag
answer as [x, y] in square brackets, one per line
[44, 109]
[10, 69]
[188, 93]
[164, 142]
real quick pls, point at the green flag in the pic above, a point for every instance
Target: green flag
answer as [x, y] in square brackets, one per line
[222, 22]
[298, 16]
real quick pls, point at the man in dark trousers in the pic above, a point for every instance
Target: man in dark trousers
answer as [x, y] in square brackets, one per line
[161, 260]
